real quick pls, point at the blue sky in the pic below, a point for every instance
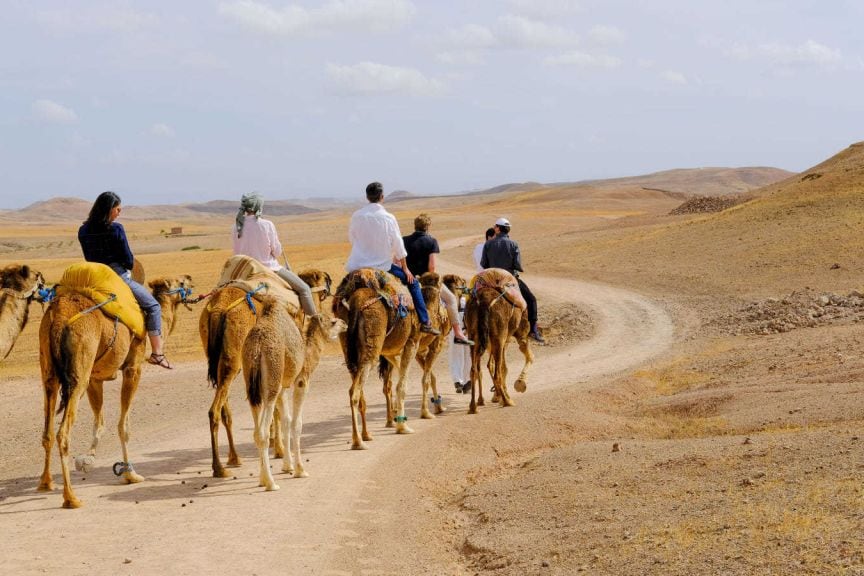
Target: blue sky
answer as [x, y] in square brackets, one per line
[171, 102]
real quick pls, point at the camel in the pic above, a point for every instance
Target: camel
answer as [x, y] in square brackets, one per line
[19, 286]
[493, 314]
[430, 345]
[80, 348]
[377, 333]
[277, 357]
[224, 324]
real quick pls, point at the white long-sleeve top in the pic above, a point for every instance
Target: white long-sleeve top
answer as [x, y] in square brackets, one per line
[259, 240]
[478, 255]
[375, 239]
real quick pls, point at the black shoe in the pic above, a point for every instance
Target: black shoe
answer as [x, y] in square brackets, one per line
[458, 386]
[535, 335]
[429, 329]
[466, 388]
[464, 341]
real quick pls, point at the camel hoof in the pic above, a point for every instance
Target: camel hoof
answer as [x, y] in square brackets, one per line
[404, 429]
[390, 424]
[439, 410]
[472, 410]
[367, 437]
[427, 415]
[272, 488]
[236, 463]
[72, 503]
[520, 386]
[358, 446]
[133, 478]
[508, 402]
[221, 473]
[45, 487]
[301, 474]
[481, 402]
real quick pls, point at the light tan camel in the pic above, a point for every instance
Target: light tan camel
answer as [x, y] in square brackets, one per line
[377, 335]
[79, 356]
[19, 286]
[277, 357]
[492, 317]
[223, 326]
[430, 345]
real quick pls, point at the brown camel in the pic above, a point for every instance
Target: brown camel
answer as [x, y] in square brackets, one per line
[19, 286]
[276, 357]
[430, 345]
[493, 314]
[377, 333]
[80, 348]
[224, 324]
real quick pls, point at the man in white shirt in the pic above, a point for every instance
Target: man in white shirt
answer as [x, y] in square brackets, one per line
[478, 250]
[376, 242]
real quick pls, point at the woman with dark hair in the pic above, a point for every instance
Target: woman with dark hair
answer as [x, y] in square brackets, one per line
[104, 240]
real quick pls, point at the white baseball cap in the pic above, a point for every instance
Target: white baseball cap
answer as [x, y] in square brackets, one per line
[502, 222]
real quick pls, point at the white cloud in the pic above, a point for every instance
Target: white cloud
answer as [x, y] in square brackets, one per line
[545, 9]
[163, 130]
[673, 77]
[53, 113]
[518, 32]
[471, 36]
[374, 15]
[810, 53]
[606, 35]
[583, 60]
[371, 77]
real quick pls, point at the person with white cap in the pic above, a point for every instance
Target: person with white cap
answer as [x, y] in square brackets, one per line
[256, 237]
[502, 252]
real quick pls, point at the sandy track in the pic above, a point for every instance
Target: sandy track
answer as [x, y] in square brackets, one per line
[183, 521]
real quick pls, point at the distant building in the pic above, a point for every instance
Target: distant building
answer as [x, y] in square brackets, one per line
[176, 230]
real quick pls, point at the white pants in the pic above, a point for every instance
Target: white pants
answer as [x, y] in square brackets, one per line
[460, 359]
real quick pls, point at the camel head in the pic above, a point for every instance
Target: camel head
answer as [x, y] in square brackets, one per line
[430, 279]
[456, 284]
[326, 325]
[19, 285]
[178, 290]
[20, 280]
[319, 281]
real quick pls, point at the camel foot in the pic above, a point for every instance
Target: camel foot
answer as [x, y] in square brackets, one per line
[45, 486]
[481, 402]
[272, 487]
[358, 446]
[439, 409]
[72, 503]
[520, 386]
[390, 424]
[279, 454]
[426, 415]
[220, 473]
[301, 474]
[404, 429]
[507, 402]
[367, 437]
[472, 409]
[234, 463]
[132, 478]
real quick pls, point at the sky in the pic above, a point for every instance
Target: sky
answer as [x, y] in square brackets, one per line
[175, 102]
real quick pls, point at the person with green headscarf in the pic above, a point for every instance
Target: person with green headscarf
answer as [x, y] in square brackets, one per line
[256, 237]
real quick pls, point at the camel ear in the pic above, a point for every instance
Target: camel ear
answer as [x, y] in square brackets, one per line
[25, 271]
[159, 282]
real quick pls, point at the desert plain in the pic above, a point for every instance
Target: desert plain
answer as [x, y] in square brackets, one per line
[698, 407]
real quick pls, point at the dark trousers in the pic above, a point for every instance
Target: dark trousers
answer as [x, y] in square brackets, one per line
[531, 301]
[416, 294]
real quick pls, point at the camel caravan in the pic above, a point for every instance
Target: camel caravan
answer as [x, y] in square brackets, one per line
[92, 330]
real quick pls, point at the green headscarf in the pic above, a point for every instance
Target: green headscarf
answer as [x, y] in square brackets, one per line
[252, 203]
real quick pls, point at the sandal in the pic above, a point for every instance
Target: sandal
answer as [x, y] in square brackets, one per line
[160, 360]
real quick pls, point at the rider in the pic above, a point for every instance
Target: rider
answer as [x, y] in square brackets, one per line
[376, 242]
[422, 248]
[104, 240]
[502, 252]
[256, 237]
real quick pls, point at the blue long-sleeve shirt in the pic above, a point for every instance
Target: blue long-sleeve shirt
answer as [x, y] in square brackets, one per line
[108, 246]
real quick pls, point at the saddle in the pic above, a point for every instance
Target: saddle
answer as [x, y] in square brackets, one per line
[390, 290]
[502, 282]
[100, 283]
[247, 274]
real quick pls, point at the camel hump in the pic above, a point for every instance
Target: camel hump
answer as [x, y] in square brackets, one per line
[247, 273]
[99, 282]
[388, 287]
[502, 281]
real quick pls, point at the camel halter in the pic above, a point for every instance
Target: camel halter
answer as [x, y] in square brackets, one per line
[184, 293]
[111, 298]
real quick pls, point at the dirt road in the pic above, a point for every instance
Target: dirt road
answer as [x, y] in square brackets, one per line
[183, 521]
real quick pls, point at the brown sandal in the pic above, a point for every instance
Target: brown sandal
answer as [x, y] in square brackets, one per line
[160, 360]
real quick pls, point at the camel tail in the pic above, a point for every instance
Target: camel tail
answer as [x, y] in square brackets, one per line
[253, 383]
[215, 337]
[383, 367]
[352, 349]
[482, 327]
[61, 357]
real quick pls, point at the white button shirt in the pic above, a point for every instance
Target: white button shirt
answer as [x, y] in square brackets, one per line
[375, 239]
[259, 240]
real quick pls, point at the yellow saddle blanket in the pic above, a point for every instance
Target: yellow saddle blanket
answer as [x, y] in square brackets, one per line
[99, 282]
[502, 282]
[248, 273]
[389, 288]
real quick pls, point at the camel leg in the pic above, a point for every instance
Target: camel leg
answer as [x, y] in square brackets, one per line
[424, 393]
[52, 391]
[263, 417]
[434, 351]
[215, 414]
[358, 407]
[228, 421]
[500, 353]
[404, 361]
[439, 407]
[65, 431]
[95, 394]
[387, 383]
[277, 441]
[476, 383]
[521, 383]
[287, 419]
[131, 375]
[300, 389]
[365, 435]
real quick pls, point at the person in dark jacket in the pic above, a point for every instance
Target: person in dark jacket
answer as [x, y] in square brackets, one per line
[104, 240]
[502, 252]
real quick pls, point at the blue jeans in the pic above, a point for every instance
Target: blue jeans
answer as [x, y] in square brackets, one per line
[149, 306]
[416, 294]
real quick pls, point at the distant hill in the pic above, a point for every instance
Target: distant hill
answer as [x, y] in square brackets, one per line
[701, 181]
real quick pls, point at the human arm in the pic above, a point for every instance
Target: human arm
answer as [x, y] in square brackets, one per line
[275, 245]
[432, 262]
[122, 251]
[403, 263]
[517, 258]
